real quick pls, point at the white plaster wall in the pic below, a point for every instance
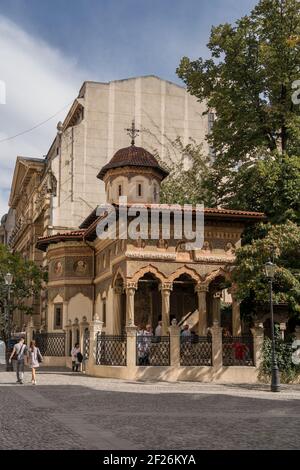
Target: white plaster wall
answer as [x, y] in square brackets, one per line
[162, 111]
[80, 306]
[130, 189]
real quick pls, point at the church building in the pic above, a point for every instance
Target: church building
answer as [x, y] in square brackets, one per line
[121, 283]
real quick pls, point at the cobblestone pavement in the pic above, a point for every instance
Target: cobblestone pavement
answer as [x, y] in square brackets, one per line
[72, 411]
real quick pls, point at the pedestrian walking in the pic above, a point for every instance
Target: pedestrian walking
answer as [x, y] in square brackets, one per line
[148, 337]
[34, 359]
[18, 356]
[75, 362]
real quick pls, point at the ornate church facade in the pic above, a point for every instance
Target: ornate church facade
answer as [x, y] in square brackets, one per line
[117, 285]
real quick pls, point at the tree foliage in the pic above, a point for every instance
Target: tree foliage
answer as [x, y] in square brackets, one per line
[186, 183]
[28, 281]
[282, 242]
[248, 82]
[271, 185]
[289, 371]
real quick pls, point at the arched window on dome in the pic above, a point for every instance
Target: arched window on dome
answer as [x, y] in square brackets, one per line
[139, 190]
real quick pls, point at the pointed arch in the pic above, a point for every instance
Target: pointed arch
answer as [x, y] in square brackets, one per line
[149, 269]
[218, 272]
[185, 270]
[118, 273]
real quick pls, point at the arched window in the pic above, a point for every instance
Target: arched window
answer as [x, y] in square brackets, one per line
[139, 189]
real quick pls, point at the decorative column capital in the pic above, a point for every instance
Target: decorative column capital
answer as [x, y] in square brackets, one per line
[166, 286]
[201, 287]
[258, 329]
[131, 285]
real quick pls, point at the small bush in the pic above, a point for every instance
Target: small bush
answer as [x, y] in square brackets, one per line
[289, 372]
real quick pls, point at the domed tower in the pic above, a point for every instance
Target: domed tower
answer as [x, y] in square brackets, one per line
[133, 172]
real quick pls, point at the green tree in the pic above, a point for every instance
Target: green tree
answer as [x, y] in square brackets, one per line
[28, 281]
[270, 185]
[186, 183]
[248, 82]
[282, 243]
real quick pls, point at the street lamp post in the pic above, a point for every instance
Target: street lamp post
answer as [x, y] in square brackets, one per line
[8, 278]
[270, 269]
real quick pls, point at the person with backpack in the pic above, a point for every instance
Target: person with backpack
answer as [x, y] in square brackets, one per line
[34, 359]
[18, 356]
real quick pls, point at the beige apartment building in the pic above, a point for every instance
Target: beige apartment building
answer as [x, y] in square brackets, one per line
[56, 192]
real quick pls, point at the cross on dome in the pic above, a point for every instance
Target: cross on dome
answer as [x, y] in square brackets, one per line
[132, 132]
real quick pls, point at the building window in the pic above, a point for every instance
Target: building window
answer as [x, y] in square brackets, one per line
[139, 190]
[58, 316]
[120, 190]
[104, 312]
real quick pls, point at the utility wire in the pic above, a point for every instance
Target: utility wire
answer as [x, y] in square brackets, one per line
[37, 125]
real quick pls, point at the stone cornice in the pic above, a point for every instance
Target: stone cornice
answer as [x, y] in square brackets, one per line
[150, 255]
[70, 282]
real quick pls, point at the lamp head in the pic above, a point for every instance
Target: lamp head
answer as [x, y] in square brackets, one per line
[8, 279]
[270, 269]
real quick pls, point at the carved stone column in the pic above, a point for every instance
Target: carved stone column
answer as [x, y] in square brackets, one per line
[117, 310]
[165, 289]
[201, 290]
[258, 342]
[216, 304]
[131, 346]
[130, 293]
[217, 356]
[174, 332]
[236, 316]
[82, 326]
[95, 327]
[29, 331]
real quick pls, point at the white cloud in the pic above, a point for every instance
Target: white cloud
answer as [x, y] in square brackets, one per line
[39, 81]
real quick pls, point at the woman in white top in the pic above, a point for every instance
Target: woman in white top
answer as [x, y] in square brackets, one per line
[34, 357]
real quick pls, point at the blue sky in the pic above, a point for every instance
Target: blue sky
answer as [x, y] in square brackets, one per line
[49, 47]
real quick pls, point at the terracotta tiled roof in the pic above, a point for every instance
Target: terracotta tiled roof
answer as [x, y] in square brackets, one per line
[42, 242]
[88, 231]
[132, 156]
[207, 211]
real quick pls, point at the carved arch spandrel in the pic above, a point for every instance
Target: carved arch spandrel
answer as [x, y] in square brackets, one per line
[218, 272]
[72, 291]
[185, 270]
[148, 269]
[54, 292]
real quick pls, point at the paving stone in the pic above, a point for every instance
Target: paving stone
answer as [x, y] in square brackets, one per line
[74, 411]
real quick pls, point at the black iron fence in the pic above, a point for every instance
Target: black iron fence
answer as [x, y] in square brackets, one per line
[238, 350]
[51, 344]
[196, 351]
[111, 350]
[152, 350]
